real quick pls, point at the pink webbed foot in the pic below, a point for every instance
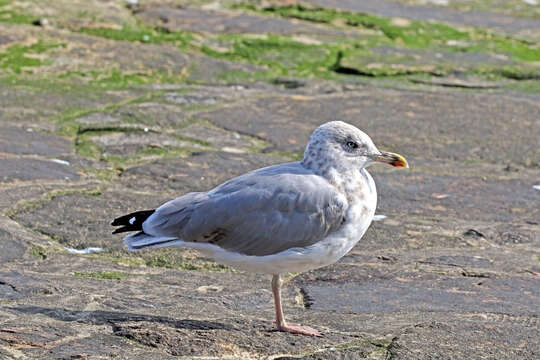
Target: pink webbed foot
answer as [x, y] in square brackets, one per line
[299, 329]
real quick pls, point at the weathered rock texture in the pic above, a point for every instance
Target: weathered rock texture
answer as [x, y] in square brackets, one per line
[113, 106]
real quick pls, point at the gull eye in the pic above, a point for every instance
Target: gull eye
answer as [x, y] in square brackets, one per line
[352, 145]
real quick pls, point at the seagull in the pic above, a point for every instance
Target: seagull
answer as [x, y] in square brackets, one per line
[286, 218]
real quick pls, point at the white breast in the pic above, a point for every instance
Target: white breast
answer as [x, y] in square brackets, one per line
[362, 196]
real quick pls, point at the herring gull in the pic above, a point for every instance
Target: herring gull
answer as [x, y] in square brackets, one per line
[290, 217]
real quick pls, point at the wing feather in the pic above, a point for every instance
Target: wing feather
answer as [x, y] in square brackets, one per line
[259, 213]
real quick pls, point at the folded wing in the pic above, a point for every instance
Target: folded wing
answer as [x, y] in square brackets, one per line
[259, 213]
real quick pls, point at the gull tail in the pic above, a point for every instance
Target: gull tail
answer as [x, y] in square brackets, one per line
[140, 240]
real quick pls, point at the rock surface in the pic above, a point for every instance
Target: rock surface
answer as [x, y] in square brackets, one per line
[114, 106]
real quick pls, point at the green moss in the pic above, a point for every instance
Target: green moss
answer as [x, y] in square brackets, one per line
[528, 86]
[280, 53]
[517, 78]
[87, 148]
[84, 146]
[108, 275]
[119, 80]
[67, 121]
[141, 34]
[510, 72]
[414, 34]
[14, 17]
[131, 261]
[486, 42]
[163, 258]
[101, 174]
[38, 252]
[192, 140]
[18, 57]
[242, 76]
[417, 34]
[173, 261]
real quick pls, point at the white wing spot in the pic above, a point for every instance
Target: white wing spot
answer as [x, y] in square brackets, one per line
[132, 220]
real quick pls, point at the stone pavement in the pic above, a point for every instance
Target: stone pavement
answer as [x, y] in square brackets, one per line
[113, 106]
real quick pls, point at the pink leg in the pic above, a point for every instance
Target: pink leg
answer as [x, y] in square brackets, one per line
[280, 319]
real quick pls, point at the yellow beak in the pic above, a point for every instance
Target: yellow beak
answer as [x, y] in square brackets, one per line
[392, 159]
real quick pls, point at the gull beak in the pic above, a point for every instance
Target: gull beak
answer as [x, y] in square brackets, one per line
[391, 158]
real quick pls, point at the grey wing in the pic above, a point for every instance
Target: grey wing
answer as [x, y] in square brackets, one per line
[171, 217]
[259, 213]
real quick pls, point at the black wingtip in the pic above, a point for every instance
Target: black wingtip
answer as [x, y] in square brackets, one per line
[131, 222]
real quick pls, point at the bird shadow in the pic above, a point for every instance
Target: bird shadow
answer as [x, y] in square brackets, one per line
[100, 317]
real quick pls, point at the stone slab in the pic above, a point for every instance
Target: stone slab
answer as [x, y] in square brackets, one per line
[11, 247]
[16, 285]
[429, 293]
[465, 339]
[26, 169]
[228, 141]
[17, 140]
[131, 143]
[424, 124]
[79, 220]
[227, 22]
[389, 60]
[200, 172]
[452, 196]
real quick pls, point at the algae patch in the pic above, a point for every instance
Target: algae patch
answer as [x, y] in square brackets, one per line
[38, 252]
[17, 58]
[107, 275]
[413, 34]
[13, 16]
[164, 258]
[141, 34]
[282, 54]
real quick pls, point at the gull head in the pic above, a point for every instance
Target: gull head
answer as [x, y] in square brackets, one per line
[342, 147]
